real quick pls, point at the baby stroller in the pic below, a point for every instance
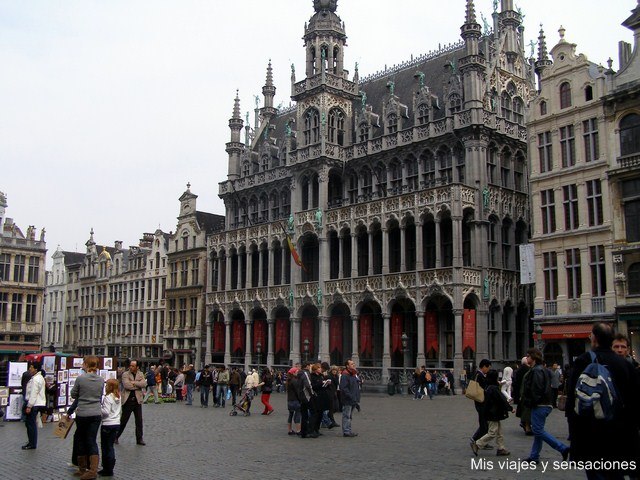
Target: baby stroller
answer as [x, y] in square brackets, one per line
[243, 404]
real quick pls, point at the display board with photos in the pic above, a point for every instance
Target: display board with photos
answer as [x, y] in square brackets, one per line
[61, 371]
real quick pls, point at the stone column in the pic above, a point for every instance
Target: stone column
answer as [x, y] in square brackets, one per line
[403, 237]
[355, 356]
[282, 265]
[419, 246]
[207, 352]
[323, 348]
[340, 256]
[458, 361]
[249, 278]
[270, 341]
[482, 339]
[386, 348]
[456, 223]
[420, 358]
[227, 272]
[438, 245]
[247, 345]
[370, 237]
[385, 251]
[354, 255]
[260, 265]
[227, 341]
[294, 354]
[270, 267]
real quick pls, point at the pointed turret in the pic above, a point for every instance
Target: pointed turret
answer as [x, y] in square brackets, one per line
[234, 147]
[510, 21]
[543, 60]
[325, 39]
[269, 92]
[472, 64]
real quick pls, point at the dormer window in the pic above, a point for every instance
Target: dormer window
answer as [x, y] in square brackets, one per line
[455, 104]
[264, 163]
[363, 132]
[565, 95]
[392, 123]
[245, 169]
[423, 114]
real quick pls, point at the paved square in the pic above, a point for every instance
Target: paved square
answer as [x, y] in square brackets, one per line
[398, 438]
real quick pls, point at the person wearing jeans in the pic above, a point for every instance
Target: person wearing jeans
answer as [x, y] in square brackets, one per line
[35, 400]
[350, 390]
[223, 382]
[537, 394]
[190, 380]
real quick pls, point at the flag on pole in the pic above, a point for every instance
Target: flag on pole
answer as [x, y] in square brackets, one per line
[294, 254]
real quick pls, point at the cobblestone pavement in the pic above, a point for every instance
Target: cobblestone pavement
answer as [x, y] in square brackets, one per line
[398, 438]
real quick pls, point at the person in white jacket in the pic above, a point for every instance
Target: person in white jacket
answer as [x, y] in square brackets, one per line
[111, 411]
[507, 380]
[36, 399]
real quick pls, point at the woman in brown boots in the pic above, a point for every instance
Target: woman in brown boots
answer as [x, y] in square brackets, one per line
[88, 390]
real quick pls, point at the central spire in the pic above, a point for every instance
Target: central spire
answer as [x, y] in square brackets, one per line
[330, 5]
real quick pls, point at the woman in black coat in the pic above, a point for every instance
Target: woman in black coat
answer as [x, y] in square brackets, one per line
[320, 402]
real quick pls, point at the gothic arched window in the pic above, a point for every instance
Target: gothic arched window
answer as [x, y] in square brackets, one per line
[336, 126]
[392, 123]
[311, 130]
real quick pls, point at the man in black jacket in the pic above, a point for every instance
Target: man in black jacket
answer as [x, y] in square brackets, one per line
[593, 439]
[536, 394]
[483, 426]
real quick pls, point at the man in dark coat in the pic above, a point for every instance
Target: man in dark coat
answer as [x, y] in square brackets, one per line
[593, 439]
[480, 377]
[522, 412]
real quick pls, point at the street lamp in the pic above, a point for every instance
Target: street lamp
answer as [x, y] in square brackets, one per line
[305, 346]
[404, 378]
[538, 330]
[259, 351]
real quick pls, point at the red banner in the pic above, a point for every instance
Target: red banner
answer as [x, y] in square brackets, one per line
[282, 335]
[366, 335]
[335, 334]
[469, 329]
[431, 327]
[306, 333]
[260, 335]
[396, 332]
[218, 336]
[238, 335]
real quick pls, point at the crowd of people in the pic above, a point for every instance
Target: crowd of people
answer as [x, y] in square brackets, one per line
[599, 394]
[603, 438]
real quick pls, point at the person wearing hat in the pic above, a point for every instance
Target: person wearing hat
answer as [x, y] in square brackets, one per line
[293, 402]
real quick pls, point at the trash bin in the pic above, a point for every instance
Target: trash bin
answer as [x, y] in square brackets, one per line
[391, 388]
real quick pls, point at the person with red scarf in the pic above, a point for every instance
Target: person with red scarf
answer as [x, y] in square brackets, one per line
[350, 391]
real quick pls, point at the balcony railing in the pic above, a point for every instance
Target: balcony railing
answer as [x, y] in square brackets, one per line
[598, 305]
[550, 308]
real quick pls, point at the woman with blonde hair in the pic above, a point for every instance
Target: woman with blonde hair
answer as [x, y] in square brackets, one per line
[88, 390]
[111, 411]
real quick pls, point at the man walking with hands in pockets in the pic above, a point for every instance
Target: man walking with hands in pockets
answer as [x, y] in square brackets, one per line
[350, 391]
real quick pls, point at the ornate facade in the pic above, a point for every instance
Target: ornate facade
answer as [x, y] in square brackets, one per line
[22, 284]
[405, 194]
[584, 178]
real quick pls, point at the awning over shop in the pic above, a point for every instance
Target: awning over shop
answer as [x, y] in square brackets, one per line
[565, 330]
[8, 348]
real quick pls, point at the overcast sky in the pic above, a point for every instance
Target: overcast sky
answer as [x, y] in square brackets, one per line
[109, 107]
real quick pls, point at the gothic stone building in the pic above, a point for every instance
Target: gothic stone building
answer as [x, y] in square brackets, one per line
[405, 195]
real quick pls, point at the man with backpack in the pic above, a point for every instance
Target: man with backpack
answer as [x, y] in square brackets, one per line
[602, 407]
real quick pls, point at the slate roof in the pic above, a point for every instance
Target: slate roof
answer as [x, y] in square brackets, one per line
[210, 222]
